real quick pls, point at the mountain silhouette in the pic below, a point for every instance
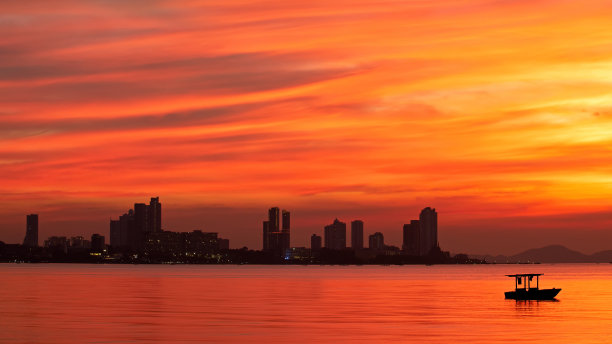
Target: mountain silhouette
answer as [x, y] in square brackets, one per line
[550, 254]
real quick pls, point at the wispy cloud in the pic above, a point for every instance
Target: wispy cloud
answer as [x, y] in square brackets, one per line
[487, 110]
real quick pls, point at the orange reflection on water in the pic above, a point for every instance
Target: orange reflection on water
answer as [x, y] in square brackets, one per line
[178, 304]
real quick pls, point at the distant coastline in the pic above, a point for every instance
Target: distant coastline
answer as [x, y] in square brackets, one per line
[15, 253]
[549, 254]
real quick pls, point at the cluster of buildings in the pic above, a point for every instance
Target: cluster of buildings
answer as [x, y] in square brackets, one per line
[62, 244]
[130, 230]
[97, 244]
[31, 237]
[138, 233]
[277, 234]
[195, 246]
[420, 236]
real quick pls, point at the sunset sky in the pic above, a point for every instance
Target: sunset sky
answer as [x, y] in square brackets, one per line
[496, 113]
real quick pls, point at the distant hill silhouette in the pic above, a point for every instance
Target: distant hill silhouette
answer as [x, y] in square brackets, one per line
[550, 254]
[603, 256]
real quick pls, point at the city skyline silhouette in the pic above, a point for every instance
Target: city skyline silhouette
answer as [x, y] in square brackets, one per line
[273, 171]
[139, 236]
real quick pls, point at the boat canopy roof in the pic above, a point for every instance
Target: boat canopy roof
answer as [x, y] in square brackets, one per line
[524, 275]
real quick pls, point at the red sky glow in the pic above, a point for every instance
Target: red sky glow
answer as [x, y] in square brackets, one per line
[496, 113]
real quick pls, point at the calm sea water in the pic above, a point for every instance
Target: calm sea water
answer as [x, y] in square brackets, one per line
[65, 303]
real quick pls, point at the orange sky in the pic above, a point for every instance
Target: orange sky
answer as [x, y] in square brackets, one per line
[497, 113]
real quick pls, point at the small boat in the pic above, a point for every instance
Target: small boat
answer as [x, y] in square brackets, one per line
[527, 292]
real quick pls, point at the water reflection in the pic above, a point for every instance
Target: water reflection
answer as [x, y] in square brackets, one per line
[530, 307]
[161, 304]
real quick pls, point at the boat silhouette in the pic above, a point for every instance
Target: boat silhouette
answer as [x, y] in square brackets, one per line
[527, 292]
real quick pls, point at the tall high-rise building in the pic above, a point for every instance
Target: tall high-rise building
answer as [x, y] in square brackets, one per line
[129, 236]
[274, 238]
[428, 233]
[115, 233]
[411, 242]
[141, 224]
[335, 235]
[130, 231]
[31, 237]
[154, 216]
[377, 241]
[315, 242]
[286, 220]
[273, 217]
[285, 240]
[141, 217]
[357, 234]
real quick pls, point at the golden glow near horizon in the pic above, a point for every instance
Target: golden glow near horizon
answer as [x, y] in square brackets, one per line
[481, 109]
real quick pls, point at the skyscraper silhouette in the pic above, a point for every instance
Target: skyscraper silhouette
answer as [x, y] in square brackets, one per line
[335, 235]
[411, 243]
[273, 217]
[428, 233]
[115, 233]
[141, 224]
[130, 231]
[377, 241]
[357, 234]
[154, 216]
[286, 231]
[275, 239]
[286, 220]
[315, 242]
[31, 237]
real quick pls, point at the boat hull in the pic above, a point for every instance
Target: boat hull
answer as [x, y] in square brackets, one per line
[532, 294]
